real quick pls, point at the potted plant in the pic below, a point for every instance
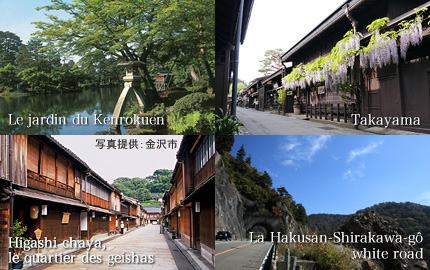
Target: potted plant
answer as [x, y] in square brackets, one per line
[18, 231]
[174, 234]
[328, 112]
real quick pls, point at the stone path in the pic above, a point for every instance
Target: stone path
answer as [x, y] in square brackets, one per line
[143, 241]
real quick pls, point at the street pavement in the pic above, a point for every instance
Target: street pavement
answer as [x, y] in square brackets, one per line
[143, 241]
[264, 123]
[240, 254]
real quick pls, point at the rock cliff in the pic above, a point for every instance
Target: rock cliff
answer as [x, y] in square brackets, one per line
[234, 212]
[229, 206]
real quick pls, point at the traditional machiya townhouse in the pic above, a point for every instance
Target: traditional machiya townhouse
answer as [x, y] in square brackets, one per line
[12, 174]
[129, 212]
[46, 186]
[189, 204]
[134, 205]
[96, 195]
[391, 85]
[152, 214]
[115, 207]
[50, 197]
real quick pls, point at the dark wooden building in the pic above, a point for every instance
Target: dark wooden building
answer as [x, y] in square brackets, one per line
[225, 35]
[252, 92]
[190, 202]
[396, 90]
[13, 152]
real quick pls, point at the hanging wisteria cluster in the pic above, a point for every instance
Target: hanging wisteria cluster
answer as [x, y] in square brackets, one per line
[345, 58]
[330, 69]
[410, 36]
[382, 50]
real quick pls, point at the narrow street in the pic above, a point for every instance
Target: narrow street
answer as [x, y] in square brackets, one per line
[240, 254]
[264, 123]
[143, 241]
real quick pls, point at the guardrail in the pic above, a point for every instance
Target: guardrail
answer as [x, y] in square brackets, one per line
[267, 262]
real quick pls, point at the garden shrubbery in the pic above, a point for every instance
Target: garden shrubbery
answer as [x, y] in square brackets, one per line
[193, 114]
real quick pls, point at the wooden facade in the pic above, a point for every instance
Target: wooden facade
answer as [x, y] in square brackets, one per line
[46, 186]
[152, 214]
[190, 201]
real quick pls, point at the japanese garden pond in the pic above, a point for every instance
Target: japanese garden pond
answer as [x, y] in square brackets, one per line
[86, 103]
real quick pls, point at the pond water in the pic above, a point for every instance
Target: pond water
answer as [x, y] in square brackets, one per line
[86, 103]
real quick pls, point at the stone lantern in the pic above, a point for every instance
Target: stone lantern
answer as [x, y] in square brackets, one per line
[132, 82]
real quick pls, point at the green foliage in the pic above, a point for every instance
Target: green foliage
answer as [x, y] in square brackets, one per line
[411, 217]
[193, 114]
[151, 203]
[377, 24]
[141, 188]
[327, 256]
[240, 86]
[175, 95]
[18, 231]
[194, 102]
[192, 123]
[226, 124]
[8, 78]
[9, 47]
[347, 91]
[156, 33]
[224, 143]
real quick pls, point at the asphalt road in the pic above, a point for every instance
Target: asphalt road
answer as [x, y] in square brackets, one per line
[240, 254]
[264, 123]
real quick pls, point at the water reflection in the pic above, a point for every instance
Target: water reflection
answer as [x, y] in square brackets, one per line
[85, 103]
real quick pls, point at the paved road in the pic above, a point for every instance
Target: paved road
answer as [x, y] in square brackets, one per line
[236, 255]
[264, 123]
[143, 241]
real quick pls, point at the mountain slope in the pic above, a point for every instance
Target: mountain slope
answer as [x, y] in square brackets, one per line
[411, 217]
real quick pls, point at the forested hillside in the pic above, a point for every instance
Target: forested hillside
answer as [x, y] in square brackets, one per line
[141, 188]
[411, 217]
[255, 185]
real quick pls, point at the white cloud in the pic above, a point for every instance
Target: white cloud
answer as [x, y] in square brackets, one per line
[364, 151]
[347, 174]
[302, 149]
[355, 173]
[425, 196]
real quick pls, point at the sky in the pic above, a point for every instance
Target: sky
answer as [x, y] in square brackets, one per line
[16, 16]
[343, 174]
[279, 24]
[113, 163]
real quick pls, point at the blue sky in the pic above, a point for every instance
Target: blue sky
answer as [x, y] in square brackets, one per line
[343, 174]
[17, 15]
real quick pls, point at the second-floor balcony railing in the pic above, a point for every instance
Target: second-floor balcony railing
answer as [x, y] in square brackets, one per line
[45, 183]
[205, 173]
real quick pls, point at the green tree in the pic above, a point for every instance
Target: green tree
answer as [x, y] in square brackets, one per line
[272, 61]
[9, 47]
[248, 160]
[240, 85]
[300, 214]
[8, 77]
[241, 154]
[146, 31]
